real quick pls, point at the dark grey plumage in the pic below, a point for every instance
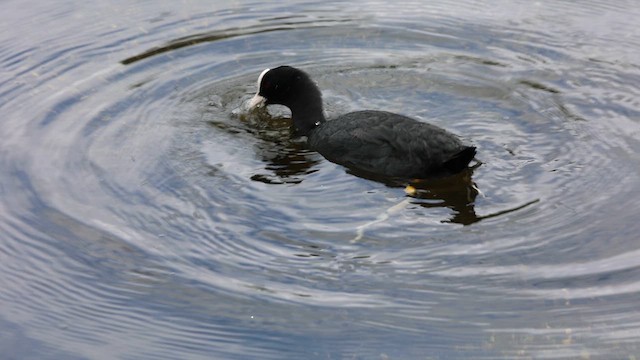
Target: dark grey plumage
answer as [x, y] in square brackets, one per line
[376, 142]
[389, 144]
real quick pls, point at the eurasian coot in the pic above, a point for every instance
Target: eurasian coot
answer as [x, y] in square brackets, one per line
[376, 142]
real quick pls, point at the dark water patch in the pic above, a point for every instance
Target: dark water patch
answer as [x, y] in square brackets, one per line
[537, 86]
[231, 33]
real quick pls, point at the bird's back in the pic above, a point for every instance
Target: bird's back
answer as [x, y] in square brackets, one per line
[389, 144]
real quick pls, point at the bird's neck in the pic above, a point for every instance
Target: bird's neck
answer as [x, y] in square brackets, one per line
[308, 113]
[306, 118]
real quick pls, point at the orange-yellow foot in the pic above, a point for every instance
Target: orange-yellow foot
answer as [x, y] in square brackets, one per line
[410, 190]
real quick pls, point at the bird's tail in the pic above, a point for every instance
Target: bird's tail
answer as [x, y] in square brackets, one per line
[461, 159]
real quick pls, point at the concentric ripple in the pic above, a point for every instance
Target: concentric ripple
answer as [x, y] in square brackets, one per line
[146, 214]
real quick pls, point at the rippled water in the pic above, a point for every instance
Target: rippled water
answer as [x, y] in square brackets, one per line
[145, 215]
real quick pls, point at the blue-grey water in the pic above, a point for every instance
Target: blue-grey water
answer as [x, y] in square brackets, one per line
[144, 214]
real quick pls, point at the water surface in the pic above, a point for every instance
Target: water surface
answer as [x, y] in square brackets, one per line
[145, 215]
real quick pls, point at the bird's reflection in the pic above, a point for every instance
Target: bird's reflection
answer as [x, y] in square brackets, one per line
[287, 160]
[456, 192]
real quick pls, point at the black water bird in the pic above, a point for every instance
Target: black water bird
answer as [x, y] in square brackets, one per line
[373, 142]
